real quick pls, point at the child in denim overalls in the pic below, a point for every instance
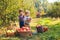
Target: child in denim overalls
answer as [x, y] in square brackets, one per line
[21, 18]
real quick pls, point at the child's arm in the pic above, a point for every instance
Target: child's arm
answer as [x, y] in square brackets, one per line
[29, 19]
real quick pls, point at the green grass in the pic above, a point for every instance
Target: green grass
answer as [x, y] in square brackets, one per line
[53, 32]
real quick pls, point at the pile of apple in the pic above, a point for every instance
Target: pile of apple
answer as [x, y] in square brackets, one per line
[24, 29]
[10, 33]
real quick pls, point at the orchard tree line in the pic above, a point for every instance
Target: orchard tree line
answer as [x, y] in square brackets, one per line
[54, 10]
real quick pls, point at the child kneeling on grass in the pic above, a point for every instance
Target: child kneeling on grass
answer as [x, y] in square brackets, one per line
[41, 29]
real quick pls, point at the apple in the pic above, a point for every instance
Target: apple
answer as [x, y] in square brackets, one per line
[8, 31]
[21, 30]
[24, 30]
[45, 29]
[12, 30]
[28, 30]
[23, 27]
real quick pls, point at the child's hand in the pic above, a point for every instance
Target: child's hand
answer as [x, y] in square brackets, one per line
[29, 20]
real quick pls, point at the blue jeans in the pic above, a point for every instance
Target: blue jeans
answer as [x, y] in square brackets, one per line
[21, 24]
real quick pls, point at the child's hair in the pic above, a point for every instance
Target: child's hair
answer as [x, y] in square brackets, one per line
[21, 10]
[27, 11]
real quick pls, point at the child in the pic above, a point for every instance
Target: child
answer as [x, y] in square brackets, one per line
[27, 18]
[21, 18]
[39, 28]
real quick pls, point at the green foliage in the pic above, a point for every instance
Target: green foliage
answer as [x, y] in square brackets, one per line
[55, 10]
[9, 9]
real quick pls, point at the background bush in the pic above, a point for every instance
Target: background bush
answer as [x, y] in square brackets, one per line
[9, 9]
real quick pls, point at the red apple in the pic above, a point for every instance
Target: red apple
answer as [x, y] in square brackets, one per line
[23, 27]
[24, 30]
[28, 30]
[45, 29]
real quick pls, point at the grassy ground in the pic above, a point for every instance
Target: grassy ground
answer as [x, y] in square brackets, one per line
[54, 26]
[52, 34]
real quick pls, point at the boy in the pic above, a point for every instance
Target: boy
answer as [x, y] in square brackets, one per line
[21, 18]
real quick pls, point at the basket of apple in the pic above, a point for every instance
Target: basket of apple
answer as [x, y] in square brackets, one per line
[24, 31]
[10, 33]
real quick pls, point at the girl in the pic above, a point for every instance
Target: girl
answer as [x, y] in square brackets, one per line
[27, 17]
